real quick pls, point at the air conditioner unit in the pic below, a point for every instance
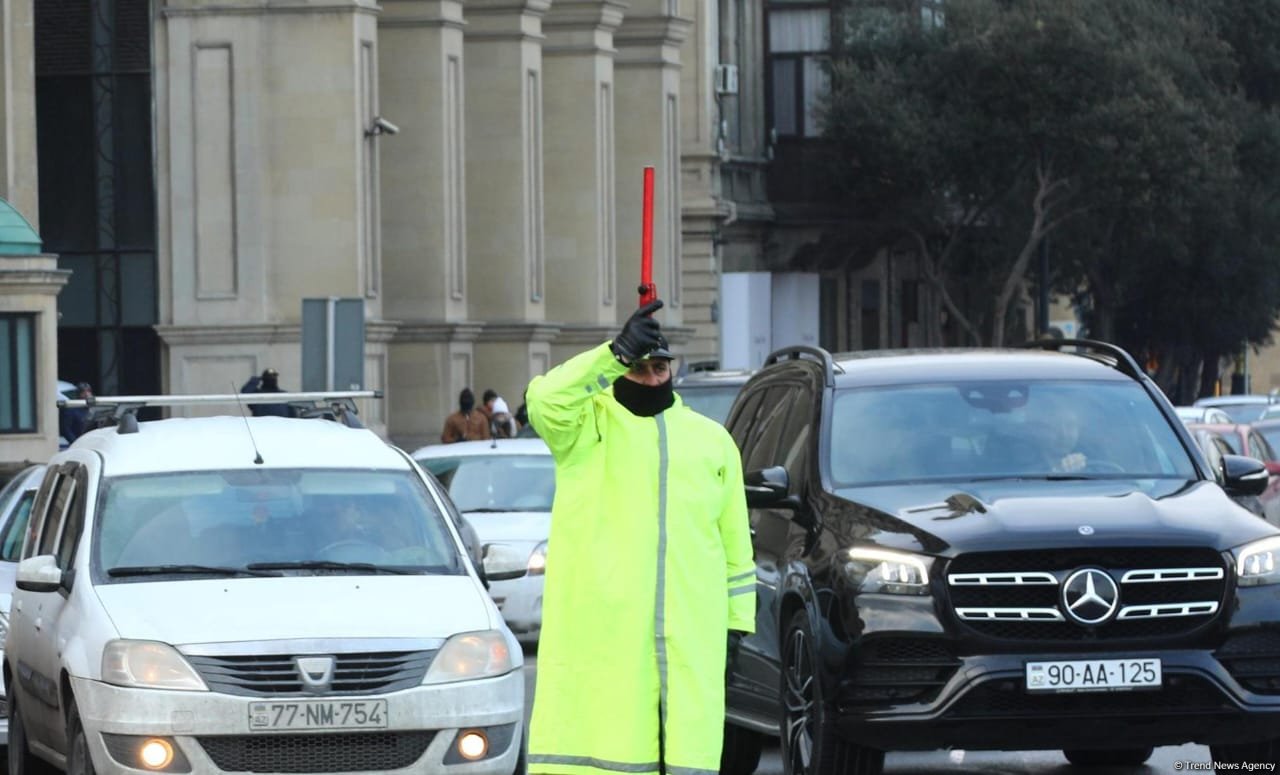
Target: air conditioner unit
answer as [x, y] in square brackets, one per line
[726, 78]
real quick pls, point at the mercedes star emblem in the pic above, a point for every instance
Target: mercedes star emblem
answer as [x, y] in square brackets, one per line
[1085, 530]
[1090, 596]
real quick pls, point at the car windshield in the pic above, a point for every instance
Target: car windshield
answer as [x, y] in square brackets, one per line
[1244, 413]
[714, 401]
[997, 429]
[494, 483]
[232, 519]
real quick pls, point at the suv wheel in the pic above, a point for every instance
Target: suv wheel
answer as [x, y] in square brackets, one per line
[20, 759]
[79, 762]
[1232, 757]
[810, 744]
[741, 752]
[1120, 757]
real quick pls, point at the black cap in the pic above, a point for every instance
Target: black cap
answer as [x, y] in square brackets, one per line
[663, 350]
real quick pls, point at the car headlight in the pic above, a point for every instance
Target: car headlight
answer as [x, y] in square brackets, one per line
[538, 560]
[1256, 563]
[148, 664]
[885, 571]
[470, 655]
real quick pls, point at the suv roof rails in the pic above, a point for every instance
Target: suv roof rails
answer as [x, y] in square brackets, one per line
[796, 352]
[1124, 362]
[121, 411]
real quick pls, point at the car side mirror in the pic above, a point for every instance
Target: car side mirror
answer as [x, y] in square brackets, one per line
[39, 574]
[502, 562]
[1242, 475]
[768, 487]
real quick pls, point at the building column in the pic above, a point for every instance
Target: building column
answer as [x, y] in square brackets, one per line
[267, 180]
[702, 211]
[18, 182]
[424, 218]
[506, 259]
[578, 156]
[647, 81]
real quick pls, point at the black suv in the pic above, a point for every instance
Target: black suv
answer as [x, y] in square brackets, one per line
[995, 549]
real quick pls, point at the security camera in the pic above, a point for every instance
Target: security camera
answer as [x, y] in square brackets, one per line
[381, 126]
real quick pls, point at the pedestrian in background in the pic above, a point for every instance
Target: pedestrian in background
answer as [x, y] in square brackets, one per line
[74, 422]
[466, 424]
[651, 580]
[501, 424]
[268, 382]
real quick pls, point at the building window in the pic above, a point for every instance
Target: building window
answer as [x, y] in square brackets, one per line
[799, 50]
[17, 374]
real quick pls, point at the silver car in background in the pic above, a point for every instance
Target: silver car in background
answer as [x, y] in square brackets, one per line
[15, 510]
[504, 488]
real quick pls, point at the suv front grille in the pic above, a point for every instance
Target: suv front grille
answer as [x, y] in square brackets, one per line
[271, 675]
[356, 752]
[1253, 659]
[892, 670]
[1164, 592]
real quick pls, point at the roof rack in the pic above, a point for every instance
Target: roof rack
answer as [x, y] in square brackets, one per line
[121, 411]
[796, 352]
[1124, 362]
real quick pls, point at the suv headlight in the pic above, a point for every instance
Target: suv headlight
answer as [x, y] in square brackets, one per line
[885, 571]
[470, 655]
[148, 664]
[538, 560]
[1256, 563]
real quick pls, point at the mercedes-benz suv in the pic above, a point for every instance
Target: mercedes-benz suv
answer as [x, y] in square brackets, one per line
[995, 549]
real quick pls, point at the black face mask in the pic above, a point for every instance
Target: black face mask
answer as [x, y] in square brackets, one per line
[467, 404]
[643, 400]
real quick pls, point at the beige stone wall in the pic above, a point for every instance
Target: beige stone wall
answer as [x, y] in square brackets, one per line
[18, 182]
[30, 284]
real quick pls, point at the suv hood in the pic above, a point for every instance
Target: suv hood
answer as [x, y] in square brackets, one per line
[295, 607]
[952, 517]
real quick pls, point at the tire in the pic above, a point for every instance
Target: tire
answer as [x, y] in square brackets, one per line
[810, 744]
[741, 752]
[79, 762]
[1120, 757]
[20, 760]
[1265, 752]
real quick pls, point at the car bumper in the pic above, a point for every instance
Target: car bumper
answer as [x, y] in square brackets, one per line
[520, 601]
[986, 697]
[210, 728]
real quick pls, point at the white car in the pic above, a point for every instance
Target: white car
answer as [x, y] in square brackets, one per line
[231, 594]
[15, 507]
[505, 489]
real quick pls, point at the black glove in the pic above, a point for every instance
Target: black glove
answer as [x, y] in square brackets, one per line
[731, 652]
[639, 335]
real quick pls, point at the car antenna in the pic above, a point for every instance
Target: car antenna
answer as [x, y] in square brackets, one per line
[257, 456]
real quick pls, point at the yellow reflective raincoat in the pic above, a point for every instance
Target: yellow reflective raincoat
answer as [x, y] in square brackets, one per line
[648, 566]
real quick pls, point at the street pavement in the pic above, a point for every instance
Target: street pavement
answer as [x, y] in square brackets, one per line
[1165, 761]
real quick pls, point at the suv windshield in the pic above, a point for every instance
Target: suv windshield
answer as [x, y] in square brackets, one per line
[994, 429]
[312, 520]
[713, 401]
[480, 483]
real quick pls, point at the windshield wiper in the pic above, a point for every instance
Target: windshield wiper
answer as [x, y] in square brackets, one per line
[487, 510]
[329, 565]
[157, 570]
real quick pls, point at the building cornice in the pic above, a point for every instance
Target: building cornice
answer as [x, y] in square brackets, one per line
[436, 331]
[258, 7]
[518, 331]
[23, 281]
[422, 13]
[656, 32]
[375, 332]
[584, 334]
[584, 15]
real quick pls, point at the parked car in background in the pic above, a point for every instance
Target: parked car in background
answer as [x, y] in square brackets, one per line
[252, 594]
[1270, 430]
[1202, 414]
[710, 391]
[1242, 439]
[504, 488]
[936, 570]
[1242, 408]
[15, 510]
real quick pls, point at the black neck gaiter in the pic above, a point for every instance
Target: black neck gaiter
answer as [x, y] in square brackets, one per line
[643, 400]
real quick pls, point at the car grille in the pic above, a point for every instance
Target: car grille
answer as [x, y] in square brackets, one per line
[1253, 659]
[1180, 695]
[358, 752]
[271, 675]
[893, 670]
[1164, 592]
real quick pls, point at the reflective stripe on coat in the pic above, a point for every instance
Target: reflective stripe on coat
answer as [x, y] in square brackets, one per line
[649, 565]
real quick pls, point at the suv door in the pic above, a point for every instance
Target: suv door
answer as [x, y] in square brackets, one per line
[36, 637]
